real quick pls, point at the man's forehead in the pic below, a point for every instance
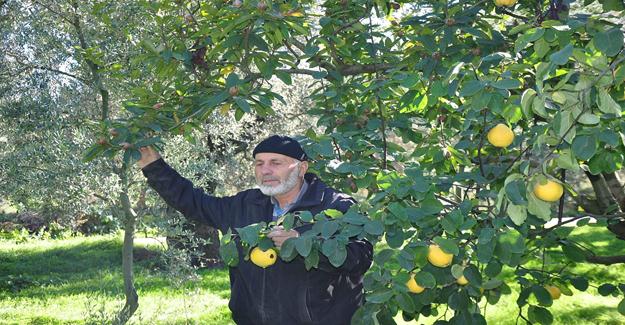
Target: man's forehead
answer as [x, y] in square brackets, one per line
[268, 156]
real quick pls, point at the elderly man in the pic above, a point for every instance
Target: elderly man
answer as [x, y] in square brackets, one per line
[285, 293]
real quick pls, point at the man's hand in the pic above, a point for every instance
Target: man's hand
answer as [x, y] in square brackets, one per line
[148, 156]
[279, 235]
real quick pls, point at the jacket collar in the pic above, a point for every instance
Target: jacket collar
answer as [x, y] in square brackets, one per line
[313, 196]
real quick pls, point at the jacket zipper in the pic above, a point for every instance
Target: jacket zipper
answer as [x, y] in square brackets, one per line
[262, 299]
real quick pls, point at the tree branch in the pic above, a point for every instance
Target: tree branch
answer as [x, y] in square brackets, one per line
[606, 260]
[41, 67]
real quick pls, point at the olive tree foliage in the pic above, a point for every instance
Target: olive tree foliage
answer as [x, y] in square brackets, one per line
[405, 93]
[45, 114]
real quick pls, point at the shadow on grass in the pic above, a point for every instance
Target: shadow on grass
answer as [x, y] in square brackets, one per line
[89, 266]
[592, 314]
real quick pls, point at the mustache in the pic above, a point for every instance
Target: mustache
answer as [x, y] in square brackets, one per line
[270, 179]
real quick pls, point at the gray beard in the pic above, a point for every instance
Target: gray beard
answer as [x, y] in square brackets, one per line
[283, 187]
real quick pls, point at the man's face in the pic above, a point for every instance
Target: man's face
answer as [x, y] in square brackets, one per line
[276, 173]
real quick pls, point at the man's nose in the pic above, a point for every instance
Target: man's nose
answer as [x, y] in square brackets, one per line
[265, 170]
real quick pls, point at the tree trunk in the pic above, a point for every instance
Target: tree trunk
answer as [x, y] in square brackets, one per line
[616, 188]
[605, 197]
[599, 185]
[132, 299]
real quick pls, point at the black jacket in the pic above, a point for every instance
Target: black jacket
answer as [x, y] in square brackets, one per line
[285, 293]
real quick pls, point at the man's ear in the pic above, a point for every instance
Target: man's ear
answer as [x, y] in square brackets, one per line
[303, 168]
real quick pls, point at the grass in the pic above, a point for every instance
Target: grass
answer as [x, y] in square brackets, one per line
[78, 281]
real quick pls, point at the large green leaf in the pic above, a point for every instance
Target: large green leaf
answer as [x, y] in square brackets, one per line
[584, 146]
[609, 42]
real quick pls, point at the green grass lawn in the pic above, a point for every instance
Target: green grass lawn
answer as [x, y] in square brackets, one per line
[78, 281]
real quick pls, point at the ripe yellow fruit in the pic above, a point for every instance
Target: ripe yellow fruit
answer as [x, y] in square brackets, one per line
[438, 257]
[413, 286]
[500, 136]
[263, 258]
[550, 192]
[554, 291]
[507, 3]
[462, 281]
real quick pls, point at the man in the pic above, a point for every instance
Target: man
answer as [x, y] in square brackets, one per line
[285, 293]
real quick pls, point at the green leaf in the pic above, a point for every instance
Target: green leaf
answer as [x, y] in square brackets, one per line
[250, 234]
[580, 283]
[526, 101]
[305, 216]
[405, 302]
[621, 307]
[515, 191]
[589, 119]
[518, 213]
[538, 207]
[303, 245]
[563, 125]
[329, 228]
[493, 269]
[539, 315]
[471, 88]
[506, 84]
[374, 227]
[606, 289]
[312, 260]
[425, 279]
[333, 213]
[607, 104]
[448, 245]
[338, 257]
[243, 104]
[573, 252]
[610, 42]
[287, 250]
[329, 247]
[538, 106]
[584, 146]
[379, 296]
[486, 235]
[473, 275]
[566, 160]
[542, 295]
[562, 57]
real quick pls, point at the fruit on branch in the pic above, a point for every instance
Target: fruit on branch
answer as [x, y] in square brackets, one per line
[550, 191]
[113, 132]
[437, 55]
[102, 141]
[450, 22]
[263, 258]
[462, 281]
[476, 51]
[554, 291]
[438, 257]
[505, 3]
[233, 91]
[413, 286]
[237, 3]
[188, 18]
[157, 106]
[500, 136]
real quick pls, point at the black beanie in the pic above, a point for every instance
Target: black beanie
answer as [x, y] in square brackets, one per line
[283, 145]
